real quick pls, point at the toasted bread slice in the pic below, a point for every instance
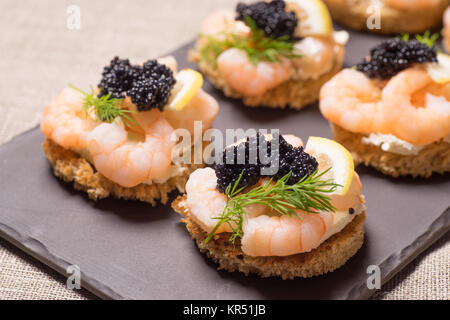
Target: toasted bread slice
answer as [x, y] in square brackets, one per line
[71, 167]
[434, 157]
[330, 255]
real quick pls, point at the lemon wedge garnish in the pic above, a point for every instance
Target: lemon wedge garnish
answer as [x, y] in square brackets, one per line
[440, 71]
[316, 19]
[188, 83]
[330, 154]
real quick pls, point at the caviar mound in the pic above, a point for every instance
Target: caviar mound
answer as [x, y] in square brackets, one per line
[149, 86]
[296, 161]
[117, 78]
[394, 55]
[236, 160]
[270, 17]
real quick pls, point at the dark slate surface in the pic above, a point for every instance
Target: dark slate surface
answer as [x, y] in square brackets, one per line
[128, 249]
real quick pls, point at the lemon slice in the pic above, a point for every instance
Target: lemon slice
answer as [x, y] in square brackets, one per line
[330, 154]
[188, 83]
[316, 19]
[440, 72]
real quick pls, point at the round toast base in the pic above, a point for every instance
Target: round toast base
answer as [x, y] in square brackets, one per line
[330, 255]
[433, 158]
[71, 167]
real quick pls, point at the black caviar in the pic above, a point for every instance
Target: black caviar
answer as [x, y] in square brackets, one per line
[229, 170]
[148, 86]
[394, 55]
[153, 86]
[117, 78]
[295, 160]
[291, 159]
[271, 17]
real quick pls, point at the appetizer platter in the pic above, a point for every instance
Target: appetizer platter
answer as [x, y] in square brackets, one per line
[362, 170]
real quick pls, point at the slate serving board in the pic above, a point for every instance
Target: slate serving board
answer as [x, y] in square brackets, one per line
[128, 249]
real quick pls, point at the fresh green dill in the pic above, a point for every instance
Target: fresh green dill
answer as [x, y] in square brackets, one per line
[105, 108]
[258, 46]
[427, 38]
[309, 194]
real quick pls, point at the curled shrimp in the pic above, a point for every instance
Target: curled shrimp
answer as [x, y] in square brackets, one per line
[128, 161]
[203, 107]
[425, 121]
[316, 56]
[410, 105]
[273, 235]
[222, 20]
[282, 236]
[204, 200]
[64, 120]
[351, 100]
[249, 79]
[264, 232]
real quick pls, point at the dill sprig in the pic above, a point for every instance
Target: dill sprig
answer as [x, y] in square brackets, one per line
[308, 194]
[427, 38]
[258, 46]
[105, 108]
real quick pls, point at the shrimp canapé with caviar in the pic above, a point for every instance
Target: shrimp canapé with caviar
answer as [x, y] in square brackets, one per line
[263, 218]
[268, 46]
[397, 101]
[126, 128]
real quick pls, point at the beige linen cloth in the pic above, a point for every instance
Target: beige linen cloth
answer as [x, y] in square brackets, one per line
[40, 54]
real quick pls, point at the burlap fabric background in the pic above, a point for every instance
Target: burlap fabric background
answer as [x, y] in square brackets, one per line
[39, 55]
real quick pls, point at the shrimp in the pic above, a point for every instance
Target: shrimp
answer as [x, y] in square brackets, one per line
[223, 20]
[412, 4]
[248, 79]
[351, 100]
[202, 107]
[274, 235]
[204, 200]
[316, 57]
[128, 161]
[64, 120]
[418, 124]
[410, 106]
[352, 198]
[284, 235]
[265, 233]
